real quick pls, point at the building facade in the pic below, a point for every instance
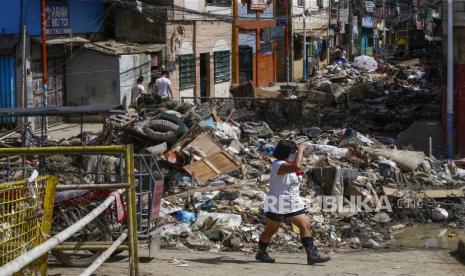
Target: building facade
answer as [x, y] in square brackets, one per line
[20, 48]
[319, 34]
[254, 47]
[197, 39]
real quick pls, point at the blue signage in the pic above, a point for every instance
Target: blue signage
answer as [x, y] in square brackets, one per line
[57, 17]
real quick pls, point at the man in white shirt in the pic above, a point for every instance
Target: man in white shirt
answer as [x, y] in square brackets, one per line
[137, 90]
[163, 91]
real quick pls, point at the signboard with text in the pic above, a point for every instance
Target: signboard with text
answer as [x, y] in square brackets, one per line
[57, 17]
[258, 4]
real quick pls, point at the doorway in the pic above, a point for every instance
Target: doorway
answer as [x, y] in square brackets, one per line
[245, 63]
[205, 75]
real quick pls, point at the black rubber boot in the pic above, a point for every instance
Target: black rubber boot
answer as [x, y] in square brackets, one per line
[313, 256]
[263, 257]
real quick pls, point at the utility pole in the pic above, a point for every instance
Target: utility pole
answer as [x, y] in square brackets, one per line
[384, 24]
[351, 30]
[234, 52]
[450, 80]
[287, 37]
[338, 36]
[44, 60]
[291, 39]
[304, 16]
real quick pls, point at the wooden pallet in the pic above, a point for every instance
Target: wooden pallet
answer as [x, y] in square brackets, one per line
[123, 120]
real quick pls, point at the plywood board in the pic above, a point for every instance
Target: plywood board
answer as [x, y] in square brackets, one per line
[424, 193]
[205, 143]
[212, 166]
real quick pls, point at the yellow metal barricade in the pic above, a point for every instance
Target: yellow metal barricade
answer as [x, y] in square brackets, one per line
[26, 211]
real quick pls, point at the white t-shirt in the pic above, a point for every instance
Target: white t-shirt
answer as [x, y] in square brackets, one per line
[162, 86]
[284, 194]
[136, 91]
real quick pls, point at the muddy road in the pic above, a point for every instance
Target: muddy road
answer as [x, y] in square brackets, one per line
[365, 262]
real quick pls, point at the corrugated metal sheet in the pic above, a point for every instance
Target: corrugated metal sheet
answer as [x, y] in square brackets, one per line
[7, 85]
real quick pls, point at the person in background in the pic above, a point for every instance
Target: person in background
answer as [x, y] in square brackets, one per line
[163, 91]
[137, 90]
[283, 202]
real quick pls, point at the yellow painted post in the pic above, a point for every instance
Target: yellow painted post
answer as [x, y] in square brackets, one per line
[132, 222]
[49, 202]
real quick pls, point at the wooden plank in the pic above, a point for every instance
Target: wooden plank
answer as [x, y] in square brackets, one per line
[222, 164]
[233, 159]
[424, 193]
[211, 166]
[216, 116]
[206, 144]
[410, 62]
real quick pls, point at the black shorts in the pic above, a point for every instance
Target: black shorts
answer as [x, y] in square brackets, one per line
[281, 217]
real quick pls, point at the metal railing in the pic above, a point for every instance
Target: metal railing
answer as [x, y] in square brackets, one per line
[54, 242]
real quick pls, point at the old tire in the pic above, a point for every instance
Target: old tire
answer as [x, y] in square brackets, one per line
[160, 136]
[162, 125]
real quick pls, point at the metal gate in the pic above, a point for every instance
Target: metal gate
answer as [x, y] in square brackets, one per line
[56, 85]
[150, 183]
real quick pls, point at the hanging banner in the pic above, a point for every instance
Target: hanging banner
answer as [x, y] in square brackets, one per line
[57, 17]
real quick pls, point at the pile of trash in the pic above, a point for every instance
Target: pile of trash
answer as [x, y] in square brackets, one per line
[389, 99]
[216, 159]
[216, 167]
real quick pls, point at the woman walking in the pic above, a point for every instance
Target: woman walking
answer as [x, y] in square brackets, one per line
[283, 201]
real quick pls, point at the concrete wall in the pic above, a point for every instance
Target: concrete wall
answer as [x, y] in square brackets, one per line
[212, 36]
[92, 78]
[130, 68]
[199, 6]
[129, 25]
[95, 78]
[179, 41]
[320, 16]
[298, 71]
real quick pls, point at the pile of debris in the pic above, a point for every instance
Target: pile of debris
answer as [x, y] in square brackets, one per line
[389, 100]
[216, 158]
[216, 165]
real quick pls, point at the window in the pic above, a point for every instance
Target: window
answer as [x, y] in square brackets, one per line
[319, 3]
[222, 66]
[225, 3]
[300, 3]
[186, 71]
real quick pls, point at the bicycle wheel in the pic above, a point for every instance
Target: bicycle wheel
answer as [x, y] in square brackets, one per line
[97, 230]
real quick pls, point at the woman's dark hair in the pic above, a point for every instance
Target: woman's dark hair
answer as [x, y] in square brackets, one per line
[140, 79]
[284, 149]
